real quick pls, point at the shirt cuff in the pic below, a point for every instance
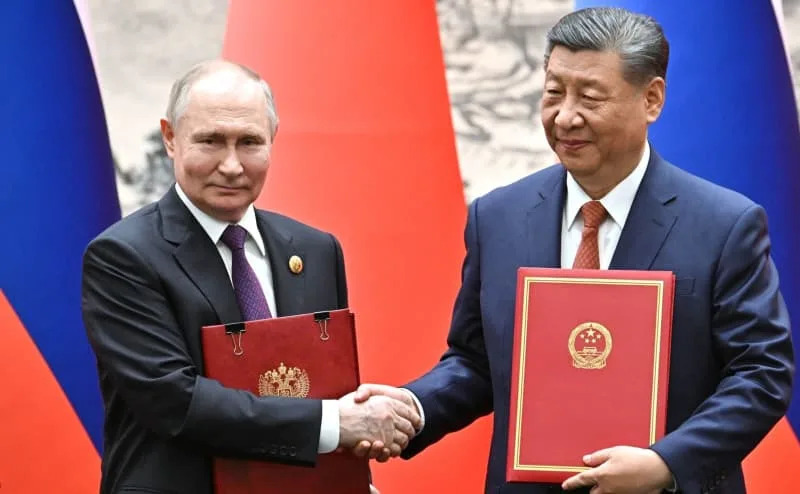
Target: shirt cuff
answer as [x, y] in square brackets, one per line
[419, 409]
[674, 487]
[329, 427]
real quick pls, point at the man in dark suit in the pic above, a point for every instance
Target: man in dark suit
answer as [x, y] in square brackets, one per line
[614, 203]
[204, 255]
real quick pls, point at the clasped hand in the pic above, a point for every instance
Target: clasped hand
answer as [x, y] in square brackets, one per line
[377, 421]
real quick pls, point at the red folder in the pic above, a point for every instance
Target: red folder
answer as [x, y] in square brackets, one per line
[309, 355]
[590, 367]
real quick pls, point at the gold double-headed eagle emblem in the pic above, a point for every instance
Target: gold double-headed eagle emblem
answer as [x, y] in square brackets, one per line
[590, 345]
[292, 382]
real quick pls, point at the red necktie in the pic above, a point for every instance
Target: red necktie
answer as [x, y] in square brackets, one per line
[588, 256]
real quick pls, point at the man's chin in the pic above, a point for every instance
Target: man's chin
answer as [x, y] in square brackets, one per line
[579, 168]
[222, 191]
[229, 210]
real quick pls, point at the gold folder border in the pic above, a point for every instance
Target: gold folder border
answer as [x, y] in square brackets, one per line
[529, 281]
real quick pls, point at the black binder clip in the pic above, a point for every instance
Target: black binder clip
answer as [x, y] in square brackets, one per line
[235, 330]
[321, 318]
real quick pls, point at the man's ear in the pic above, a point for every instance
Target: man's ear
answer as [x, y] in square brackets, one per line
[654, 95]
[168, 136]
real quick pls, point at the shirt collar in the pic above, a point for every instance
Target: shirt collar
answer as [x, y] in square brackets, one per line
[214, 227]
[617, 202]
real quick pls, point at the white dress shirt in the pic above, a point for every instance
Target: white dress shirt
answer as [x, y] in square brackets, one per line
[256, 254]
[618, 204]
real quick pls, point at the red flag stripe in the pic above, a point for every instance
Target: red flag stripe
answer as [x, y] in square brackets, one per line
[366, 150]
[44, 447]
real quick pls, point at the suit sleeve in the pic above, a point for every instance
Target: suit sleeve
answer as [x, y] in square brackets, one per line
[142, 355]
[341, 278]
[458, 389]
[752, 336]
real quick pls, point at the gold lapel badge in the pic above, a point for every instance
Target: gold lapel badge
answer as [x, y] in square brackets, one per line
[295, 264]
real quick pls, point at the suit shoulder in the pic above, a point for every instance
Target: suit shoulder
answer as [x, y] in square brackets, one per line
[706, 197]
[294, 227]
[133, 228]
[522, 191]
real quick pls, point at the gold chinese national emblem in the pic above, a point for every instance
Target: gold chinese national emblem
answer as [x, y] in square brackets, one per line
[590, 345]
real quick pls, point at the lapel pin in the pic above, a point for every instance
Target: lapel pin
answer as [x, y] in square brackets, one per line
[296, 264]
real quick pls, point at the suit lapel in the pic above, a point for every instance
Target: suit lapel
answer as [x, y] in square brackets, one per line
[544, 223]
[649, 221]
[198, 257]
[289, 287]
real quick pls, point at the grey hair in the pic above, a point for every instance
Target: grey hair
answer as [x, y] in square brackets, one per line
[638, 39]
[179, 94]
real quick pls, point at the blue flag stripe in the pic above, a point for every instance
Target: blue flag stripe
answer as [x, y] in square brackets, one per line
[59, 189]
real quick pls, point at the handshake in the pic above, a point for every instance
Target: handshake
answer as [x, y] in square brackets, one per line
[377, 421]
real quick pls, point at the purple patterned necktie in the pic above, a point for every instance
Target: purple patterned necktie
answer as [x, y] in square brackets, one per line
[249, 295]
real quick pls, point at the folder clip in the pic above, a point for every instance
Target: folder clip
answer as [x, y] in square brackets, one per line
[235, 330]
[321, 319]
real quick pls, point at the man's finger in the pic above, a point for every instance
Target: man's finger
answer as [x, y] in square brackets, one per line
[376, 449]
[362, 449]
[583, 479]
[363, 393]
[384, 456]
[395, 450]
[400, 439]
[404, 425]
[407, 410]
[598, 457]
[410, 413]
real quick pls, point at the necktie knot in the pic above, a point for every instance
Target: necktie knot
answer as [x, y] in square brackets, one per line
[593, 214]
[234, 237]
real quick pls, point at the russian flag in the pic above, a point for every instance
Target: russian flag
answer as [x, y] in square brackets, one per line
[57, 193]
[731, 117]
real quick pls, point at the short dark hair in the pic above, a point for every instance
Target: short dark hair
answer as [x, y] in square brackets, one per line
[637, 38]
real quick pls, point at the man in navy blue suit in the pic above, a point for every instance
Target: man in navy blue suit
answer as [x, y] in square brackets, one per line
[614, 203]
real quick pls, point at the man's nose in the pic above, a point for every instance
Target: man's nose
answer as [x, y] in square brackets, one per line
[568, 115]
[231, 164]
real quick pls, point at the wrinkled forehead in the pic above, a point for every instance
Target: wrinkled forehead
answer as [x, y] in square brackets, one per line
[232, 107]
[585, 66]
[226, 87]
